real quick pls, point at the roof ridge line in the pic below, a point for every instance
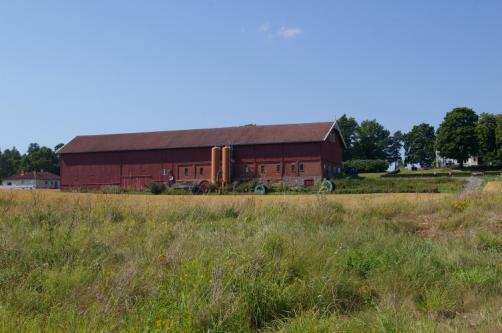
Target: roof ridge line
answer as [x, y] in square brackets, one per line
[203, 129]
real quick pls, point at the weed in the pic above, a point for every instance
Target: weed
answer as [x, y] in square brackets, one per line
[490, 242]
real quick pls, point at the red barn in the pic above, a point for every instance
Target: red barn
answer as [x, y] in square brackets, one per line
[296, 154]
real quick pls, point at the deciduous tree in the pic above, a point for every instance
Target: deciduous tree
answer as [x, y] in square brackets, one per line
[457, 136]
[372, 141]
[486, 129]
[9, 162]
[419, 145]
[348, 126]
[394, 149]
[40, 158]
[498, 137]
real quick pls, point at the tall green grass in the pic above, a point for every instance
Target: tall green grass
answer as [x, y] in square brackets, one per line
[98, 265]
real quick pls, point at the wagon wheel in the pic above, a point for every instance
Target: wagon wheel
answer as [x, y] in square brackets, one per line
[204, 187]
[261, 189]
[326, 186]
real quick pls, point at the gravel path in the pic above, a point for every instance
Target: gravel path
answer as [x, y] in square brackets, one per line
[473, 185]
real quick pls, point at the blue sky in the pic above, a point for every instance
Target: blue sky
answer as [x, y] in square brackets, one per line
[89, 67]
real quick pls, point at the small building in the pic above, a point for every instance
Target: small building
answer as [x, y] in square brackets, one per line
[294, 154]
[32, 179]
[444, 162]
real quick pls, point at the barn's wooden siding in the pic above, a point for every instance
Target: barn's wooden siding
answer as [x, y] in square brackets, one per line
[136, 169]
[294, 153]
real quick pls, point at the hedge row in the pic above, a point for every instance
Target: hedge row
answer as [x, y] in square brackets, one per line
[482, 168]
[492, 173]
[440, 174]
[366, 165]
[421, 174]
[379, 185]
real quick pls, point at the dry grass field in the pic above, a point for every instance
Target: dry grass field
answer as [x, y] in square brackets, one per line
[493, 187]
[141, 201]
[277, 263]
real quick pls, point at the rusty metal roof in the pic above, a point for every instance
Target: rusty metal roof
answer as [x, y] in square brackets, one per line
[239, 135]
[29, 175]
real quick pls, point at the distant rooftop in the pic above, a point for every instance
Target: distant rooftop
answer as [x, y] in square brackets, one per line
[29, 175]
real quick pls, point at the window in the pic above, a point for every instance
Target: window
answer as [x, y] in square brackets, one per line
[300, 167]
[262, 168]
[163, 172]
[46, 182]
[246, 169]
[201, 171]
[186, 172]
[278, 168]
[308, 182]
[293, 167]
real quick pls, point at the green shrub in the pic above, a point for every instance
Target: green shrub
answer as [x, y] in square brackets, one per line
[279, 187]
[245, 186]
[212, 187]
[367, 165]
[157, 188]
[176, 191]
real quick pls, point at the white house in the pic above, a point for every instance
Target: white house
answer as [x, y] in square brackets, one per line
[32, 179]
[442, 162]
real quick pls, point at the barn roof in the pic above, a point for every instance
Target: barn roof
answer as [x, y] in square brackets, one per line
[29, 175]
[239, 135]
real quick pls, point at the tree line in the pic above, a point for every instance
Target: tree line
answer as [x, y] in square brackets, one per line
[461, 134]
[36, 158]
